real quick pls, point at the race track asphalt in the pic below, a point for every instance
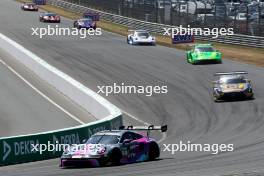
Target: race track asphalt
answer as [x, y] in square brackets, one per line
[23, 110]
[187, 108]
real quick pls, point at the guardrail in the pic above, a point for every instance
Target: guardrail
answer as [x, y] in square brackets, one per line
[18, 149]
[244, 40]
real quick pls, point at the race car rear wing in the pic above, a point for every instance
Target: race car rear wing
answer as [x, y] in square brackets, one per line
[145, 128]
[200, 44]
[139, 30]
[231, 73]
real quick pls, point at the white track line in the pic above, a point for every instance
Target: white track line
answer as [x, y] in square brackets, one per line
[64, 110]
[40, 93]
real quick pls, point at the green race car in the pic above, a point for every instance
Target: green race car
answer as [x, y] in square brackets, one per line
[203, 53]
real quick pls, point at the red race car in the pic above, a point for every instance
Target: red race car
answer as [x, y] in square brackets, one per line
[29, 7]
[49, 17]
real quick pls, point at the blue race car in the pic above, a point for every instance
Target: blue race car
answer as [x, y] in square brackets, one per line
[85, 23]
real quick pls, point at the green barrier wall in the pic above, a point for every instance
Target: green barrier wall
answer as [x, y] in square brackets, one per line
[18, 149]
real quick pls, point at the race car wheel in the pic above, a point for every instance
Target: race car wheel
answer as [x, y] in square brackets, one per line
[216, 99]
[251, 97]
[191, 61]
[130, 41]
[188, 61]
[154, 151]
[219, 62]
[113, 159]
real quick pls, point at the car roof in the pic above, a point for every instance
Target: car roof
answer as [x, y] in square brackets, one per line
[49, 13]
[230, 77]
[113, 132]
[141, 31]
[83, 19]
[203, 45]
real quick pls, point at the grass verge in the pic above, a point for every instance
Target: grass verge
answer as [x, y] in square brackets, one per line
[234, 52]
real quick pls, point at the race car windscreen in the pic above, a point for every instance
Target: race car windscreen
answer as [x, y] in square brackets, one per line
[234, 81]
[104, 139]
[143, 34]
[50, 14]
[87, 21]
[205, 49]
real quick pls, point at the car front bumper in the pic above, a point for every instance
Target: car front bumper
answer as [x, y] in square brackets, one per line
[207, 59]
[79, 162]
[248, 93]
[142, 41]
[30, 9]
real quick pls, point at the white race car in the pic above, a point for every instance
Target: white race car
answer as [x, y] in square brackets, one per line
[140, 37]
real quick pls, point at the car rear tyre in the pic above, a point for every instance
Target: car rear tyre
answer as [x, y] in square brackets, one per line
[154, 151]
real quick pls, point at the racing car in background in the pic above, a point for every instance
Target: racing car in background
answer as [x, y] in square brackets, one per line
[232, 85]
[203, 53]
[86, 23]
[114, 147]
[49, 17]
[29, 7]
[140, 37]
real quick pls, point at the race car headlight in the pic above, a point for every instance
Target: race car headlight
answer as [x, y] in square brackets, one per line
[101, 150]
[81, 23]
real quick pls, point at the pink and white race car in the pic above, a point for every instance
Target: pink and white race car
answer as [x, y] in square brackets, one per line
[113, 147]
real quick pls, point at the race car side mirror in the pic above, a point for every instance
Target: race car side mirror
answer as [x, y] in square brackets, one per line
[164, 128]
[127, 141]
